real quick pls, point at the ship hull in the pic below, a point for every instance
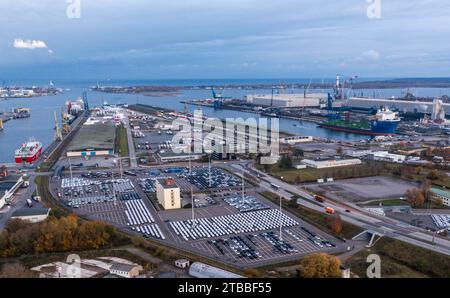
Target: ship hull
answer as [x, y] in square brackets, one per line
[30, 158]
[357, 131]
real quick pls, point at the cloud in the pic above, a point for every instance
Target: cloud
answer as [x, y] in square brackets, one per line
[371, 55]
[29, 44]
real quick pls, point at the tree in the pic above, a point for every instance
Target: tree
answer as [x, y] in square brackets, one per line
[285, 162]
[16, 270]
[293, 203]
[320, 265]
[335, 223]
[252, 273]
[298, 153]
[418, 170]
[415, 197]
[434, 175]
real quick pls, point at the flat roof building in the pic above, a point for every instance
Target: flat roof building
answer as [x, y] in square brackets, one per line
[287, 100]
[33, 215]
[93, 140]
[168, 194]
[389, 157]
[442, 194]
[322, 164]
[124, 270]
[201, 270]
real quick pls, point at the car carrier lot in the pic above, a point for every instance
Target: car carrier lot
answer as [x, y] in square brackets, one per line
[240, 230]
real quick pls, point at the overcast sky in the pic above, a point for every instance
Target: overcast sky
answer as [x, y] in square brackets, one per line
[158, 39]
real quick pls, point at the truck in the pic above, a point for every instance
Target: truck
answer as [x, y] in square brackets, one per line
[329, 210]
[274, 186]
[319, 198]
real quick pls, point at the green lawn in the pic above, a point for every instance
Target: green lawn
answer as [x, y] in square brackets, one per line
[388, 202]
[311, 175]
[400, 259]
[122, 141]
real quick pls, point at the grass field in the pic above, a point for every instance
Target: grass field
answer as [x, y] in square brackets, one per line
[388, 202]
[122, 141]
[399, 259]
[294, 176]
[320, 220]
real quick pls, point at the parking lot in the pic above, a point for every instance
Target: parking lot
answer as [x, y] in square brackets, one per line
[254, 249]
[364, 189]
[228, 227]
[114, 201]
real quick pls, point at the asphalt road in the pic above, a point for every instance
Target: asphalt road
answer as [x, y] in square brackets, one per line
[359, 217]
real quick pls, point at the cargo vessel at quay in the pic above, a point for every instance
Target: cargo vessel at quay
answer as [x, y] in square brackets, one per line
[28, 152]
[384, 123]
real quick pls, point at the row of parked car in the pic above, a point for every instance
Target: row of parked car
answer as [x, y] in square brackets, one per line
[280, 245]
[231, 224]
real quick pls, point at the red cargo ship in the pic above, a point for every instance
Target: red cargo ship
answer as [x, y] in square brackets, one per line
[28, 152]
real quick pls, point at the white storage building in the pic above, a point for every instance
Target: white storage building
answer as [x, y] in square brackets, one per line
[287, 100]
[322, 164]
[389, 157]
[201, 270]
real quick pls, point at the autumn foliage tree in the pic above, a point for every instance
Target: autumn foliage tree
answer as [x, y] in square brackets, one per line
[320, 265]
[55, 235]
[335, 223]
[415, 197]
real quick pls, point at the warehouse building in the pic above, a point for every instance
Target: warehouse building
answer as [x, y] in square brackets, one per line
[438, 193]
[401, 105]
[201, 270]
[32, 215]
[388, 157]
[168, 194]
[296, 140]
[124, 270]
[323, 164]
[93, 140]
[287, 100]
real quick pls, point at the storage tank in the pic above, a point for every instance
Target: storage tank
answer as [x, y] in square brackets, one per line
[201, 270]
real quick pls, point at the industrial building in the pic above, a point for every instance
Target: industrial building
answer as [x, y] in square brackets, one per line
[442, 194]
[182, 263]
[287, 100]
[168, 194]
[124, 270]
[388, 157]
[401, 105]
[201, 270]
[170, 156]
[296, 140]
[323, 164]
[32, 215]
[357, 153]
[93, 140]
[3, 172]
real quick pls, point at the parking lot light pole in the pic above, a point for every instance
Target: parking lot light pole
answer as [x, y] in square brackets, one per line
[243, 187]
[281, 224]
[209, 168]
[192, 207]
[71, 180]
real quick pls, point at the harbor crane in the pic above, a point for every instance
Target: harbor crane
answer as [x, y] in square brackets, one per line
[340, 86]
[218, 98]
